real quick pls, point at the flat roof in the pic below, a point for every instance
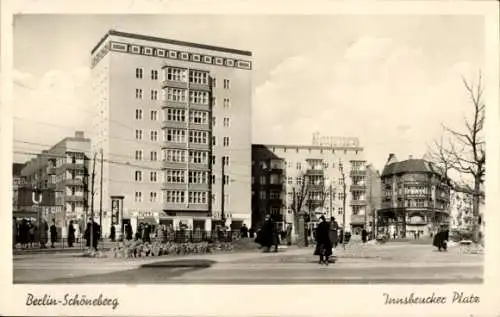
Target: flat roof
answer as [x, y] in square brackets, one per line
[312, 147]
[170, 41]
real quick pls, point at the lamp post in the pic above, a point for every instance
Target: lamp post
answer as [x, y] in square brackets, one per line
[341, 168]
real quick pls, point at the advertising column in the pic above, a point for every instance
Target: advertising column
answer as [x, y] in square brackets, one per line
[117, 215]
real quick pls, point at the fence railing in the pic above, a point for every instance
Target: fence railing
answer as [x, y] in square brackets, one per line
[178, 236]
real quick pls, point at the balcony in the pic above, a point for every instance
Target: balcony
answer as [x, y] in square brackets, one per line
[173, 124]
[358, 187]
[74, 166]
[358, 219]
[200, 87]
[51, 170]
[175, 165]
[313, 171]
[174, 104]
[358, 202]
[73, 182]
[174, 84]
[353, 173]
[173, 186]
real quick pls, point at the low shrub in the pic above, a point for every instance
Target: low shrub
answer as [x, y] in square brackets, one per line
[137, 249]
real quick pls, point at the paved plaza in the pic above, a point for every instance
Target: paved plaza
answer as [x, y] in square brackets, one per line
[389, 263]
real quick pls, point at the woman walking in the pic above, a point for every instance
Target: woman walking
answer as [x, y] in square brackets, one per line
[71, 234]
[323, 243]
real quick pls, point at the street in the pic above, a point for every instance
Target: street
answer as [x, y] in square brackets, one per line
[358, 264]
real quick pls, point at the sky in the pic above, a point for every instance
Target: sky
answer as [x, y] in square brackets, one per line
[392, 81]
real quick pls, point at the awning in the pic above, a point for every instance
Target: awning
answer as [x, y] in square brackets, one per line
[148, 220]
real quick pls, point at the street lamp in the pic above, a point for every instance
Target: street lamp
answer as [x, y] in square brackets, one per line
[341, 168]
[329, 185]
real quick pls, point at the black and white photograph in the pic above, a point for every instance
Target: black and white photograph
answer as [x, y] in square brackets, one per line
[251, 149]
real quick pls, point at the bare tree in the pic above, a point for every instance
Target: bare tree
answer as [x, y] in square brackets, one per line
[300, 194]
[465, 151]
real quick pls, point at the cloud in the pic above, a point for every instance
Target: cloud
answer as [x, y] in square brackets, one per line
[51, 107]
[385, 92]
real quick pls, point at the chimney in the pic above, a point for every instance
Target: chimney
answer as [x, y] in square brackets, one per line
[79, 134]
[392, 159]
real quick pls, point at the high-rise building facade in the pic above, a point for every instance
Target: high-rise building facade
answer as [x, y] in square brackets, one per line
[170, 114]
[61, 173]
[310, 179]
[415, 199]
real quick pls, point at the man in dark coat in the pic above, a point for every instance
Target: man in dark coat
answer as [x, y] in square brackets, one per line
[267, 235]
[333, 233]
[244, 231]
[53, 233]
[323, 243]
[71, 234]
[14, 232]
[112, 234]
[364, 235]
[441, 239]
[44, 227]
[92, 233]
[128, 231]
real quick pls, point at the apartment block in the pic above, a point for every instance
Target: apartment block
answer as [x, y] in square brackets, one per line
[170, 114]
[62, 175]
[287, 179]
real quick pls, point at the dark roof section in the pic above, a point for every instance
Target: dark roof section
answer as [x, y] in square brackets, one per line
[16, 168]
[169, 41]
[410, 166]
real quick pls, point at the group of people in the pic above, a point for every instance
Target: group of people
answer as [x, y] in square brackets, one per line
[27, 233]
[269, 236]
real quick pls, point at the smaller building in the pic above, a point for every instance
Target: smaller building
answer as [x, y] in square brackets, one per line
[461, 203]
[62, 175]
[415, 199]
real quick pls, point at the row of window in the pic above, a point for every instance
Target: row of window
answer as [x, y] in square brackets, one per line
[139, 94]
[314, 164]
[153, 176]
[152, 197]
[139, 73]
[153, 155]
[180, 95]
[153, 115]
[179, 177]
[194, 197]
[199, 157]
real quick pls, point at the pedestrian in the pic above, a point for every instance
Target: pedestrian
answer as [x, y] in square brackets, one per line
[53, 233]
[244, 231]
[147, 234]
[440, 240]
[364, 235]
[43, 230]
[128, 230]
[289, 234]
[71, 234]
[333, 234]
[112, 234]
[15, 232]
[31, 234]
[266, 234]
[323, 243]
[24, 233]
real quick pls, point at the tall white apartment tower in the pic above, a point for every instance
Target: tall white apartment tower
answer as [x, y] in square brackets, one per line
[169, 114]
